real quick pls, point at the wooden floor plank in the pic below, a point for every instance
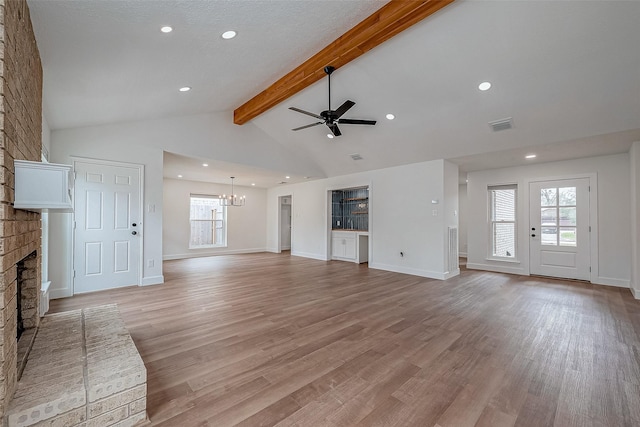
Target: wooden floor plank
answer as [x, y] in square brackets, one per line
[271, 339]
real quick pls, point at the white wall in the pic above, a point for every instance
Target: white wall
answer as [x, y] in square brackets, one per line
[46, 136]
[400, 216]
[634, 155]
[462, 219]
[613, 209]
[106, 143]
[246, 226]
[211, 136]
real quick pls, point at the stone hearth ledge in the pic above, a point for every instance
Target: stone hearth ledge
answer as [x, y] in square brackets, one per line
[83, 370]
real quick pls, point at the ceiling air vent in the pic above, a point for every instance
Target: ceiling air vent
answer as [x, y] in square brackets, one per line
[502, 124]
[356, 156]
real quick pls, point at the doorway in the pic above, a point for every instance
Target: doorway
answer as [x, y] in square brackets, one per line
[559, 229]
[107, 225]
[285, 211]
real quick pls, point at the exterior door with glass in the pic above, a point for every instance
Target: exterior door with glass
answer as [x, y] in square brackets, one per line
[559, 229]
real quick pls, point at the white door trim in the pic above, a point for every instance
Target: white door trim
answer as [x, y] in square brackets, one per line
[140, 168]
[593, 216]
[280, 200]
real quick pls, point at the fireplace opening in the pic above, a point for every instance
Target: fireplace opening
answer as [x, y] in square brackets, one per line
[20, 323]
[27, 288]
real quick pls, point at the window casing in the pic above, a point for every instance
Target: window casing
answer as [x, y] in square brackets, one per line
[208, 220]
[503, 226]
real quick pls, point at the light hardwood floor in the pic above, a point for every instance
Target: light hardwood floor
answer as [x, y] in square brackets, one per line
[266, 339]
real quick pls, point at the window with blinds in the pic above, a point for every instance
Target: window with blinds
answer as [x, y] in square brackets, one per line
[503, 220]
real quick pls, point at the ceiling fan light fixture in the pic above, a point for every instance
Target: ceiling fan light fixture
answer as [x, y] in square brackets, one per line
[332, 118]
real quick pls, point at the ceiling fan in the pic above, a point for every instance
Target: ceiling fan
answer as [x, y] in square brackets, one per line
[330, 117]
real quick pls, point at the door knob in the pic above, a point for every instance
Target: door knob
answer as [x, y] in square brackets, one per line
[134, 224]
[532, 228]
[134, 232]
[533, 235]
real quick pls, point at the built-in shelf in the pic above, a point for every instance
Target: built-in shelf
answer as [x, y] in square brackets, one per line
[41, 186]
[350, 209]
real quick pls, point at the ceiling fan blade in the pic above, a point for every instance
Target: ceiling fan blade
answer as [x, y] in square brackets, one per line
[344, 108]
[306, 112]
[334, 129]
[357, 122]
[308, 126]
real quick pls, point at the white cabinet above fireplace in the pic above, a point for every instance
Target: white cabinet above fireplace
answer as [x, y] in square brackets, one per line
[43, 186]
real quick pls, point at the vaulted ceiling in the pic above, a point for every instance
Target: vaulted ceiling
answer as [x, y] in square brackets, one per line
[568, 73]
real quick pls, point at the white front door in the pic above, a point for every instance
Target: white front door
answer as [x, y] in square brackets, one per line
[107, 226]
[559, 232]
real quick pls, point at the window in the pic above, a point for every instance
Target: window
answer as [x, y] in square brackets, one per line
[208, 222]
[558, 216]
[503, 221]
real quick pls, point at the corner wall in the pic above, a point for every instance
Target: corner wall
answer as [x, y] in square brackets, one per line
[614, 222]
[246, 225]
[400, 216]
[634, 155]
[20, 138]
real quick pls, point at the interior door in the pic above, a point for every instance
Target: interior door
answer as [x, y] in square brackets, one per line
[285, 228]
[107, 226]
[559, 228]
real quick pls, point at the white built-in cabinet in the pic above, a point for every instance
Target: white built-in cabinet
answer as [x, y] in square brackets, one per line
[349, 246]
[43, 186]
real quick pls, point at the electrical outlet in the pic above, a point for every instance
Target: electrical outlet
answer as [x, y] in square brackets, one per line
[150, 263]
[434, 212]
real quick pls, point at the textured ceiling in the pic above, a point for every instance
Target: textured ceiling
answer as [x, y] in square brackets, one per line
[567, 72]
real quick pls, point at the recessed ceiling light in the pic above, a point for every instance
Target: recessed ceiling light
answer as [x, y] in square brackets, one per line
[185, 89]
[484, 86]
[530, 156]
[228, 34]
[179, 176]
[166, 29]
[287, 177]
[390, 116]
[330, 135]
[253, 184]
[205, 164]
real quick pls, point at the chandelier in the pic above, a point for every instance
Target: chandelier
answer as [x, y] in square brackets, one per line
[232, 199]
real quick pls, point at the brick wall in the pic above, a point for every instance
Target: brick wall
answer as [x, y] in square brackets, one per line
[20, 138]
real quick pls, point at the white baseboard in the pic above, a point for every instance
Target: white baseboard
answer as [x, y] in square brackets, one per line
[608, 281]
[496, 268]
[409, 270]
[59, 293]
[635, 293]
[213, 253]
[309, 255]
[152, 280]
[462, 254]
[450, 274]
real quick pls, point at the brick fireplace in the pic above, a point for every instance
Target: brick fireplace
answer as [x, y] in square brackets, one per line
[20, 138]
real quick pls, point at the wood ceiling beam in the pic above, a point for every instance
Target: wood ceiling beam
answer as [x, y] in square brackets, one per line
[393, 18]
